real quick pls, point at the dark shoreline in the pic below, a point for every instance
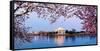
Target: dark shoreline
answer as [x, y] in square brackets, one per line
[67, 35]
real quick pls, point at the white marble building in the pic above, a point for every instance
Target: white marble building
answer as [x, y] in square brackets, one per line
[60, 30]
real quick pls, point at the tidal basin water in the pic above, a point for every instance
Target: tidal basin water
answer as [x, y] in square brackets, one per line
[56, 41]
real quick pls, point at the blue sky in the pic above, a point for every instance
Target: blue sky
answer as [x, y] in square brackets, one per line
[39, 24]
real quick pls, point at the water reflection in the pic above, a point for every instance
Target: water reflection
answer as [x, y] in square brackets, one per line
[59, 40]
[54, 41]
[72, 38]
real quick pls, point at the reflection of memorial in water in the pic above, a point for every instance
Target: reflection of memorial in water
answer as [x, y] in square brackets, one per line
[59, 40]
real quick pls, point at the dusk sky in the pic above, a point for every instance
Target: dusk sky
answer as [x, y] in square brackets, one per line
[39, 24]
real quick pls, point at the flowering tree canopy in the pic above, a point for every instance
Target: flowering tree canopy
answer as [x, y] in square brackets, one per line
[52, 12]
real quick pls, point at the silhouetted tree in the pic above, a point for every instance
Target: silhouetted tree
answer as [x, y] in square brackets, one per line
[73, 30]
[66, 31]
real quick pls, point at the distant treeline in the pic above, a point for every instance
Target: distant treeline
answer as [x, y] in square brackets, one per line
[73, 31]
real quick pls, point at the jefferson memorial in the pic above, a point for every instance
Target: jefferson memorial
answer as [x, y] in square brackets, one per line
[60, 30]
